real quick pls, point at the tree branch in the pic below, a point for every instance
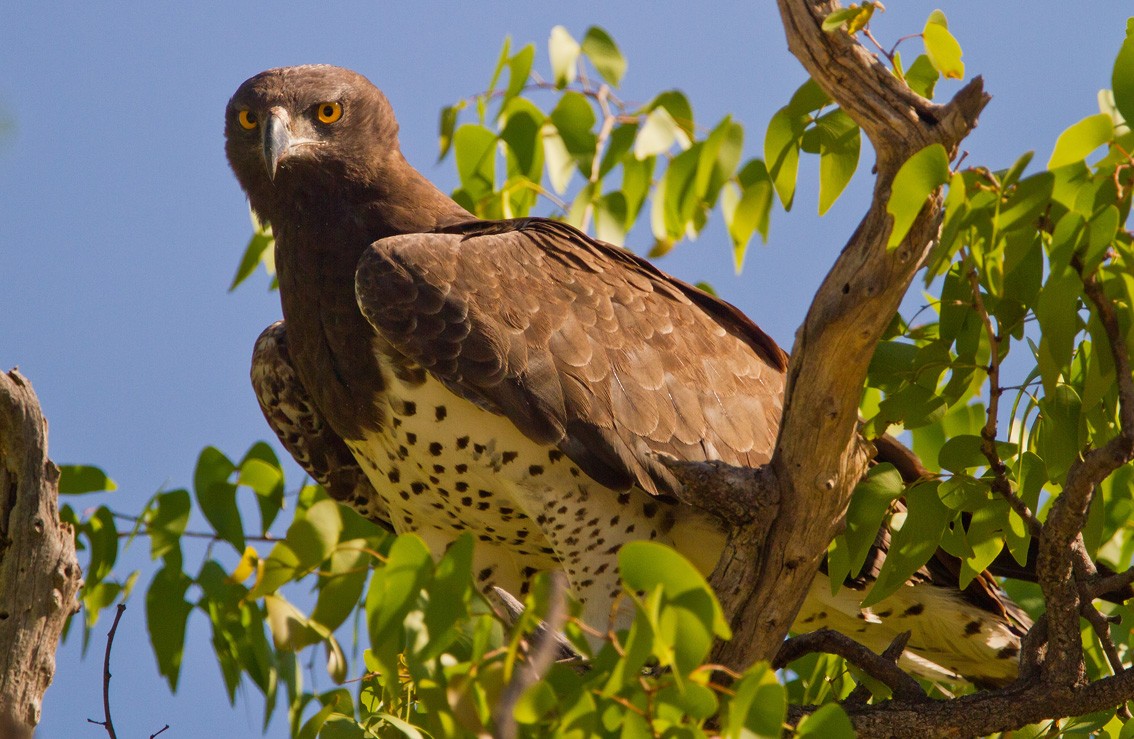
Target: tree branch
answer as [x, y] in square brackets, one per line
[882, 667]
[39, 572]
[819, 456]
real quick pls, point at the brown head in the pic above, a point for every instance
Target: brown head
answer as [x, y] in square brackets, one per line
[292, 130]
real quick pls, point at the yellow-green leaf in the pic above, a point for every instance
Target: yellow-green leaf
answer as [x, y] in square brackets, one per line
[604, 54]
[942, 48]
[1080, 139]
[922, 173]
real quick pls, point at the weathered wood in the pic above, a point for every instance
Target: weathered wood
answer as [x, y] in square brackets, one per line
[39, 572]
[819, 456]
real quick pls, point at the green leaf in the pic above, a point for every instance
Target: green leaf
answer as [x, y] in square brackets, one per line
[986, 536]
[260, 470]
[1057, 312]
[1080, 139]
[657, 134]
[914, 543]
[750, 211]
[563, 51]
[446, 126]
[394, 590]
[868, 508]
[759, 706]
[166, 614]
[610, 218]
[290, 629]
[168, 521]
[1122, 80]
[216, 496]
[839, 144]
[519, 67]
[341, 585]
[922, 77]
[475, 148]
[258, 250]
[781, 150]
[645, 565]
[719, 157]
[1030, 198]
[102, 534]
[574, 118]
[942, 49]
[1058, 437]
[921, 174]
[521, 133]
[313, 536]
[828, 722]
[76, 479]
[600, 48]
[560, 166]
[678, 106]
[852, 18]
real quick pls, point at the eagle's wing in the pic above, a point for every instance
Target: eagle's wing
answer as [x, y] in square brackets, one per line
[579, 343]
[303, 432]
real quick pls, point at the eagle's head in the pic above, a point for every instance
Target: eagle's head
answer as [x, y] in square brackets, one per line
[293, 130]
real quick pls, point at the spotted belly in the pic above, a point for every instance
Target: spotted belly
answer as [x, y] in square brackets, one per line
[444, 466]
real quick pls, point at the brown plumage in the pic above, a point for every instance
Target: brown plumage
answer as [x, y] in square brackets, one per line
[516, 379]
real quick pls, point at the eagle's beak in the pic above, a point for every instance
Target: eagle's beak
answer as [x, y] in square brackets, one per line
[277, 139]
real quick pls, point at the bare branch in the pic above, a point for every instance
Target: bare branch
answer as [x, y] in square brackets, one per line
[882, 667]
[108, 722]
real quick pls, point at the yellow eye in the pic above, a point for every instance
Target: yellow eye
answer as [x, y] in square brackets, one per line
[328, 112]
[247, 120]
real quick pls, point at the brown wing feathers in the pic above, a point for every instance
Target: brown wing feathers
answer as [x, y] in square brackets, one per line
[579, 345]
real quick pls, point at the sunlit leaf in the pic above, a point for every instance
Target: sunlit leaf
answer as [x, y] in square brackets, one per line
[1122, 80]
[246, 566]
[1080, 139]
[600, 48]
[563, 51]
[942, 49]
[839, 143]
[75, 479]
[919, 176]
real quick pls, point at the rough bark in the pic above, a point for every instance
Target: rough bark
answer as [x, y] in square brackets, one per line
[39, 572]
[819, 456]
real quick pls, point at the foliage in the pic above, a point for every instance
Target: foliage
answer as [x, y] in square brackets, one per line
[1002, 382]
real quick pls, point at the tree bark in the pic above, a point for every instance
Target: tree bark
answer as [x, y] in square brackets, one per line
[39, 572]
[819, 456]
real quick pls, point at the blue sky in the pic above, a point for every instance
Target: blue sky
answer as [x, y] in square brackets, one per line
[121, 226]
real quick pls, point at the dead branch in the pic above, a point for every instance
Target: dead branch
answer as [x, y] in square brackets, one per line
[39, 572]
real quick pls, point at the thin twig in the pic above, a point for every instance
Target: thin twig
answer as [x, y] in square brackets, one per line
[108, 722]
[159, 731]
[1000, 481]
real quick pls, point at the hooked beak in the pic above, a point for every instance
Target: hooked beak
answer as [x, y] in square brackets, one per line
[276, 140]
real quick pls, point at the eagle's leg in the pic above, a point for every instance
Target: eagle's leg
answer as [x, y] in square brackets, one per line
[302, 430]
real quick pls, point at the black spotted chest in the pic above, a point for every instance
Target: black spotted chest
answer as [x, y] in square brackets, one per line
[444, 466]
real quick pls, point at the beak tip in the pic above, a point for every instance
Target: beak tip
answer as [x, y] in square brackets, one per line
[276, 142]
